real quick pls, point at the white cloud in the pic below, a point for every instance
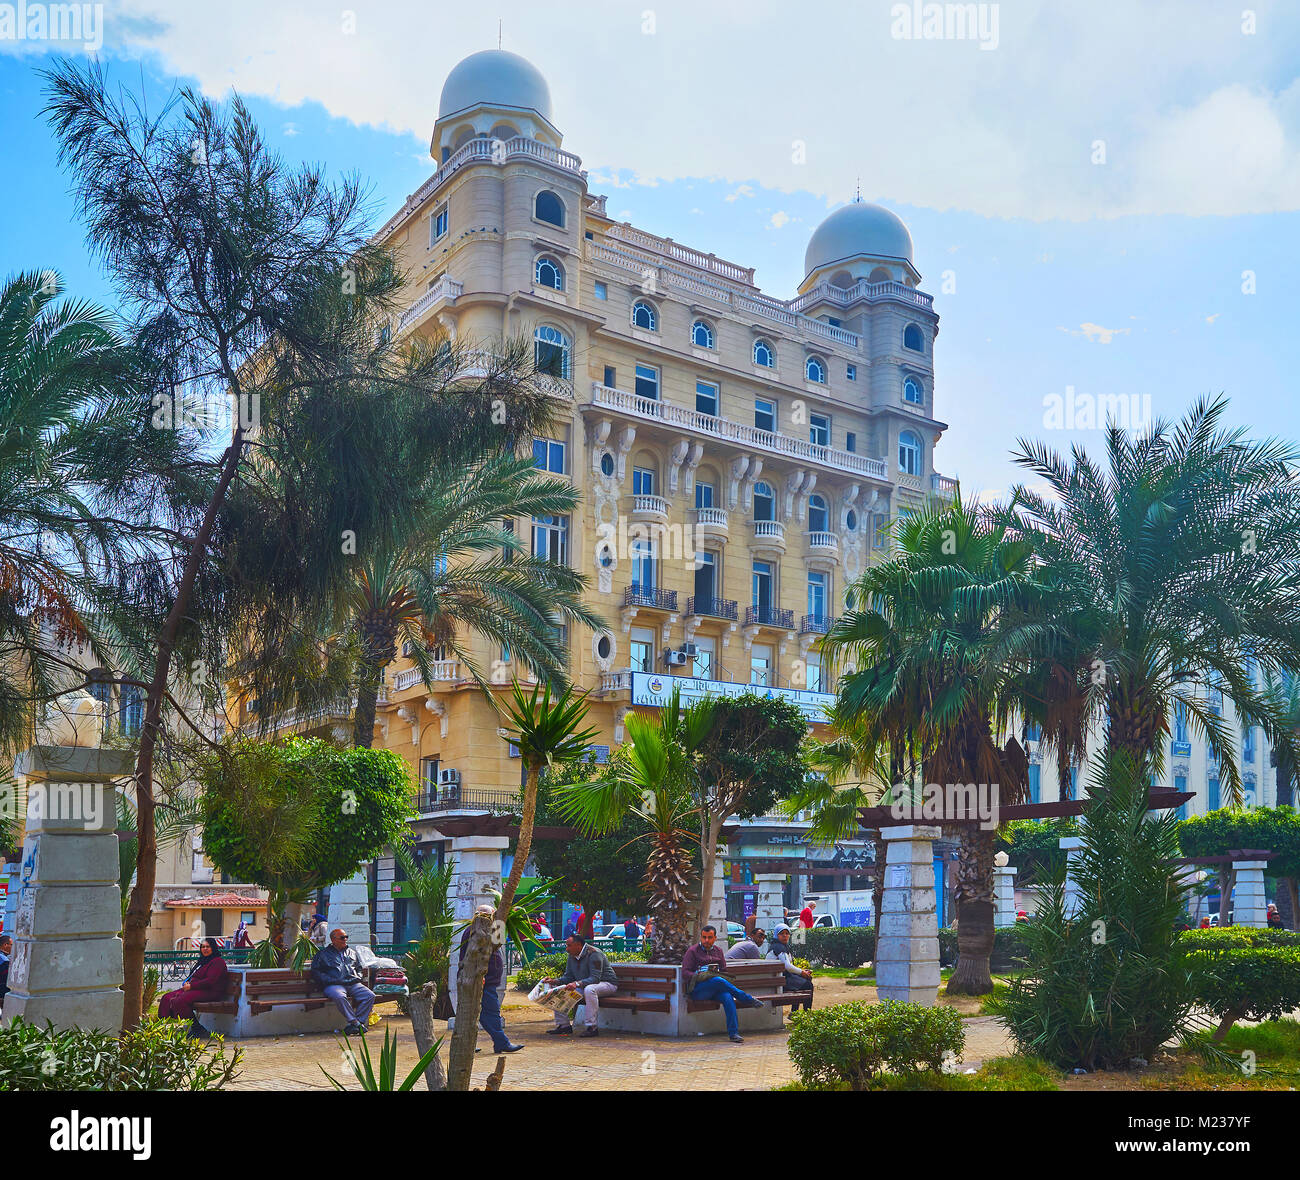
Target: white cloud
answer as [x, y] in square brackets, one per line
[778, 219]
[1003, 133]
[1095, 332]
[1209, 319]
[744, 190]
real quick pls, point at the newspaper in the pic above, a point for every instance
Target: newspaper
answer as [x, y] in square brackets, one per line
[558, 999]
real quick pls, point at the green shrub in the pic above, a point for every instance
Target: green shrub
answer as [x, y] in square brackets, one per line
[552, 967]
[837, 946]
[1246, 982]
[1221, 937]
[159, 1055]
[854, 1044]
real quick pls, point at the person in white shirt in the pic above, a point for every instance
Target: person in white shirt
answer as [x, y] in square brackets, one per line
[797, 979]
[544, 931]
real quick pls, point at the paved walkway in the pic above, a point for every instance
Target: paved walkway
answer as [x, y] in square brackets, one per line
[613, 1061]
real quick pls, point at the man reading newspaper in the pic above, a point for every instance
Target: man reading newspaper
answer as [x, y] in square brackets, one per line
[587, 976]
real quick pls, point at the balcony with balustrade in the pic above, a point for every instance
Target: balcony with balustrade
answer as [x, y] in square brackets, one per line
[769, 616]
[737, 435]
[698, 606]
[943, 485]
[816, 624]
[445, 291]
[650, 508]
[444, 672]
[651, 597]
[769, 537]
[711, 525]
[823, 544]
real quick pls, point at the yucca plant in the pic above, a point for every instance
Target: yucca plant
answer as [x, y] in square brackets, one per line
[385, 1078]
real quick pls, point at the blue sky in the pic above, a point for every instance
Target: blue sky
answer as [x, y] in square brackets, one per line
[1115, 277]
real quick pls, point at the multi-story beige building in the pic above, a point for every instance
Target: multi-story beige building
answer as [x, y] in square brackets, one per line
[739, 455]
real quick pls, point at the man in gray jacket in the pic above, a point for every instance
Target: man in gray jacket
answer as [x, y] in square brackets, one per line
[749, 948]
[589, 973]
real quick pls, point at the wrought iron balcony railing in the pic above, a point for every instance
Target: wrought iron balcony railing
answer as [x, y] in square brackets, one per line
[651, 596]
[715, 608]
[770, 616]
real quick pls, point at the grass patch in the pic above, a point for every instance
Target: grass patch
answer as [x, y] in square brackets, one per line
[998, 1073]
[1275, 1044]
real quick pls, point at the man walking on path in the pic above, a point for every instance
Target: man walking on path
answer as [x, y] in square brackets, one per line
[489, 1018]
[700, 965]
[587, 972]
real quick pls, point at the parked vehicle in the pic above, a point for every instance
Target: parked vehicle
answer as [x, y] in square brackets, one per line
[842, 907]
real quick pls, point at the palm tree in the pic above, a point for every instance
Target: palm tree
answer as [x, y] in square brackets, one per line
[1178, 558]
[65, 386]
[457, 570]
[654, 777]
[926, 632]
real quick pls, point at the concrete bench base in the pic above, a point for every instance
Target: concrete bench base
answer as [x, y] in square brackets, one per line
[282, 1020]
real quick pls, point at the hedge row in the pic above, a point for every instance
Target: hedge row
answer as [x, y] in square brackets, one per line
[1221, 937]
[851, 946]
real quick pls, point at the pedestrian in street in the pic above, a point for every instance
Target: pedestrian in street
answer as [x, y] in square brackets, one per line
[6, 949]
[489, 1018]
[337, 971]
[700, 966]
[588, 971]
[243, 939]
[205, 984]
[806, 915]
[797, 979]
[571, 926]
[632, 932]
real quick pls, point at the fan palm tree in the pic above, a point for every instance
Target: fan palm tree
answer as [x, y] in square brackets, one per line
[654, 777]
[926, 633]
[65, 384]
[1181, 554]
[457, 571]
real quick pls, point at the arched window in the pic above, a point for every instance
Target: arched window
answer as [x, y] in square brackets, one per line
[549, 208]
[645, 316]
[549, 273]
[764, 501]
[763, 354]
[913, 339]
[879, 275]
[841, 278]
[909, 453]
[551, 352]
[912, 392]
[504, 132]
[818, 514]
[701, 334]
[815, 370]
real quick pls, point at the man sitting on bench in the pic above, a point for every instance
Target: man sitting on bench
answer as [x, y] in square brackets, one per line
[706, 955]
[337, 971]
[589, 973]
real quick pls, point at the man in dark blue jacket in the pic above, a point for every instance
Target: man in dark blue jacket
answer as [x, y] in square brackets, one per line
[338, 972]
[490, 1013]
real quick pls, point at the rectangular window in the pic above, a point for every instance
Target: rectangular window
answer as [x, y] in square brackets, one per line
[643, 649]
[1035, 782]
[1073, 788]
[817, 594]
[1180, 722]
[880, 534]
[611, 377]
[703, 495]
[702, 665]
[248, 917]
[602, 292]
[706, 578]
[760, 665]
[813, 663]
[1248, 743]
[833, 321]
[764, 414]
[853, 372]
[706, 398]
[1033, 732]
[851, 443]
[1212, 801]
[819, 430]
[643, 481]
[762, 585]
[437, 225]
[548, 454]
[551, 538]
[643, 566]
[1180, 784]
[647, 382]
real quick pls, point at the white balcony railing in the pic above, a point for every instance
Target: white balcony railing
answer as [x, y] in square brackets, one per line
[843, 296]
[444, 289]
[823, 541]
[711, 517]
[650, 505]
[770, 529]
[483, 151]
[442, 670]
[679, 253]
[615, 681]
[749, 437]
[943, 485]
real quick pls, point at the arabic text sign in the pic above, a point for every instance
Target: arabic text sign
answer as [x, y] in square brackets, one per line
[650, 688]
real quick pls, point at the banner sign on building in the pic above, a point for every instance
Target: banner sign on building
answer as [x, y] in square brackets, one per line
[650, 688]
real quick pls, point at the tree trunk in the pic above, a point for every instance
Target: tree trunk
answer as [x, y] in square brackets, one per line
[1225, 1026]
[1226, 878]
[708, 858]
[975, 910]
[525, 844]
[1293, 896]
[135, 925]
[469, 1002]
[420, 1004]
[667, 878]
[878, 880]
[363, 724]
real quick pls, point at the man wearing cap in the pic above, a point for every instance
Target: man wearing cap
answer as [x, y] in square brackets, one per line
[489, 1017]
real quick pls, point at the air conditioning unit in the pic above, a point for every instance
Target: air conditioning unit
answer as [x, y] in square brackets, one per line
[689, 649]
[674, 659]
[449, 777]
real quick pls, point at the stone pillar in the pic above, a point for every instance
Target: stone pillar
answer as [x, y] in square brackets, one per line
[1004, 895]
[1070, 845]
[769, 907]
[66, 965]
[478, 870]
[718, 900]
[349, 909]
[1249, 906]
[907, 946]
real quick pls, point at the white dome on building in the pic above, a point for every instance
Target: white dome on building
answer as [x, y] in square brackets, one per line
[855, 230]
[495, 78]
